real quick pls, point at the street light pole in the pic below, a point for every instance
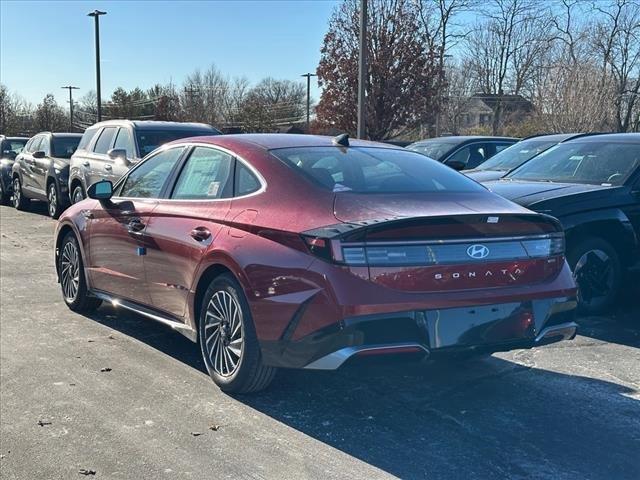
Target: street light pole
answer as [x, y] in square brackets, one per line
[362, 70]
[96, 17]
[70, 88]
[308, 75]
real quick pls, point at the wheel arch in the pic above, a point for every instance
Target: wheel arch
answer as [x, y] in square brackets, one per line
[62, 230]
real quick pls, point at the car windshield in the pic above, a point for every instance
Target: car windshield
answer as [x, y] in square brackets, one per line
[516, 155]
[63, 147]
[374, 170]
[434, 148]
[149, 140]
[13, 147]
[601, 163]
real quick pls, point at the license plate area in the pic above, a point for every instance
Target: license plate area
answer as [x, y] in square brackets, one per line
[483, 325]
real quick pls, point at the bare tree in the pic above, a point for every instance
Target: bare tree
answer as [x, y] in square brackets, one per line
[271, 104]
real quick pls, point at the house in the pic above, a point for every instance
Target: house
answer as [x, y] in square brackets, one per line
[478, 110]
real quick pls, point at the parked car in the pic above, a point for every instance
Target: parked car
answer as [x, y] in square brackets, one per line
[10, 147]
[108, 149]
[517, 154]
[592, 185]
[303, 251]
[41, 171]
[462, 153]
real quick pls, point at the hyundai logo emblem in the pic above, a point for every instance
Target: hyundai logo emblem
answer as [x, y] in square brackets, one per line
[478, 251]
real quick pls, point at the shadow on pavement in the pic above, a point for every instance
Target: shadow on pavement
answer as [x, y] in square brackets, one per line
[487, 418]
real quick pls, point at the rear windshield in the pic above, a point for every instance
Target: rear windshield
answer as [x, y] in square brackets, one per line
[516, 155]
[599, 163]
[63, 147]
[149, 140]
[374, 170]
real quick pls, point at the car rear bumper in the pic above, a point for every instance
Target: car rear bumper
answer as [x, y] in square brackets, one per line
[485, 328]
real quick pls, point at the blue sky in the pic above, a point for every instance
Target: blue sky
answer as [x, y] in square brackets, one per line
[47, 44]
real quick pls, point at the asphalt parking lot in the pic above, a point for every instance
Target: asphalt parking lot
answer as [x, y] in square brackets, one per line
[569, 410]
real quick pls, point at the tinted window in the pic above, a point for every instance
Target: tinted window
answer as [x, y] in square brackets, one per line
[374, 170]
[148, 179]
[149, 140]
[516, 155]
[471, 155]
[63, 147]
[598, 163]
[434, 148]
[103, 145]
[86, 138]
[246, 181]
[207, 175]
[125, 142]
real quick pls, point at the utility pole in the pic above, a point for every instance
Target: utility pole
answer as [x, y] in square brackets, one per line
[96, 17]
[362, 70]
[70, 88]
[308, 75]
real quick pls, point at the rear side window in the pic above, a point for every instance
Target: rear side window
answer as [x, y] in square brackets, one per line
[374, 170]
[246, 181]
[103, 145]
[86, 138]
[206, 176]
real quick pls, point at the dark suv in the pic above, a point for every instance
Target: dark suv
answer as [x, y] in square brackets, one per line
[10, 147]
[41, 171]
[108, 149]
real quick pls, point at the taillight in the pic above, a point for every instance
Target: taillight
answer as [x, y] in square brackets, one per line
[545, 247]
[318, 246]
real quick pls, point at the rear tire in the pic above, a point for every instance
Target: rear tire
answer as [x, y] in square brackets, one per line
[72, 279]
[228, 340]
[20, 202]
[598, 273]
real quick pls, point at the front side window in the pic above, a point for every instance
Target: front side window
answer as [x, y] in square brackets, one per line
[600, 163]
[470, 156]
[125, 142]
[149, 140]
[63, 147]
[207, 176]
[103, 145]
[374, 170]
[44, 145]
[35, 144]
[149, 178]
[13, 147]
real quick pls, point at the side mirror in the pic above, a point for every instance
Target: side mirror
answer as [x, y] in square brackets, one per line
[456, 165]
[102, 190]
[118, 154]
[39, 154]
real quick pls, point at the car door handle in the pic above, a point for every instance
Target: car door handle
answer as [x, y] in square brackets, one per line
[108, 167]
[86, 163]
[200, 234]
[135, 225]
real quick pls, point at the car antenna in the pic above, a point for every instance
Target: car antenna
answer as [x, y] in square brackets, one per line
[341, 140]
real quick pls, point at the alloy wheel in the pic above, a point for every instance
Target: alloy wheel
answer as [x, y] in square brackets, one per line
[53, 200]
[70, 271]
[17, 192]
[224, 335]
[77, 195]
[594, 275]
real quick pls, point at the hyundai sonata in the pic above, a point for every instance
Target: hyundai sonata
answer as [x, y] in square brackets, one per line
[303, 251]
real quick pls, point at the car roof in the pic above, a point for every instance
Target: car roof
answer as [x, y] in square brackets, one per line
[608, 137]
[463, 138]
[66, 135]
[155, 125]
[270, 141]
[2, 137]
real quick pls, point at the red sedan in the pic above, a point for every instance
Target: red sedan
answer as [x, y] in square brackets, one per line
[303, 251]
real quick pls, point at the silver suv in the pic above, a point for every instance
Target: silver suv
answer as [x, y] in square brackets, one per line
[108, 149]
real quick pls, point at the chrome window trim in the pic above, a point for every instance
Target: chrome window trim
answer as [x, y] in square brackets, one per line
[263, 182]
